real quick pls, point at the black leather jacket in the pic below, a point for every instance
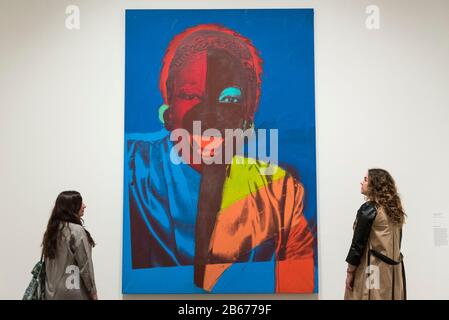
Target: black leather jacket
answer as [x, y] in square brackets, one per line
[365, 218]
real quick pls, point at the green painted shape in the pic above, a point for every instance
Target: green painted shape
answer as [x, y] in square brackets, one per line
[162, 109]
[233, 94]
[246, 177]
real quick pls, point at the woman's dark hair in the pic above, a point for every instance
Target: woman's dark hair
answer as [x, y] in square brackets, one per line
[382, 190]
[67, 207]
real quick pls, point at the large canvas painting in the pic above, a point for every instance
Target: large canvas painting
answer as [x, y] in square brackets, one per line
[220, 166]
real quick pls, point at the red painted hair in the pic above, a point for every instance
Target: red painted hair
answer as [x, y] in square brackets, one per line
[254, 60]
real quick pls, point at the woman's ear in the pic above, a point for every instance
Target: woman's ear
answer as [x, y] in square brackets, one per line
[168, 119]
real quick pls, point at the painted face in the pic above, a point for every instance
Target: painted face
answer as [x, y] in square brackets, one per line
[210, 87]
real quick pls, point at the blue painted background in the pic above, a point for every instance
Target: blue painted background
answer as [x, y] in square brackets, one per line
[285, 39]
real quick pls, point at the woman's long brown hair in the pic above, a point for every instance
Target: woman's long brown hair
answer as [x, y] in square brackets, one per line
[382, 190]
[66, 209]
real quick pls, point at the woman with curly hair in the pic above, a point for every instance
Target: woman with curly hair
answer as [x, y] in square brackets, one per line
[375, 263]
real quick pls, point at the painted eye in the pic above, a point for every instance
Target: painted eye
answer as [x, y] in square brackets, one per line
[186, 96]
[230, 95]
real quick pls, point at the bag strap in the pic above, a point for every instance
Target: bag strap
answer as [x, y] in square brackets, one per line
[386, 259]
[368, 264]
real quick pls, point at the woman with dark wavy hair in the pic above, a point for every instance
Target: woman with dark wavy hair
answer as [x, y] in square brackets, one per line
[375, 263]
[67, 249]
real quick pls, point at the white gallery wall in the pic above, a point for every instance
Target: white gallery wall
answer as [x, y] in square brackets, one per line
[382, 100]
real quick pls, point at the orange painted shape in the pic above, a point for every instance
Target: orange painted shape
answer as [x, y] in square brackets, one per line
[295, 276]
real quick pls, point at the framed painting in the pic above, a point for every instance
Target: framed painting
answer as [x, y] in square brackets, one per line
[220, 164]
